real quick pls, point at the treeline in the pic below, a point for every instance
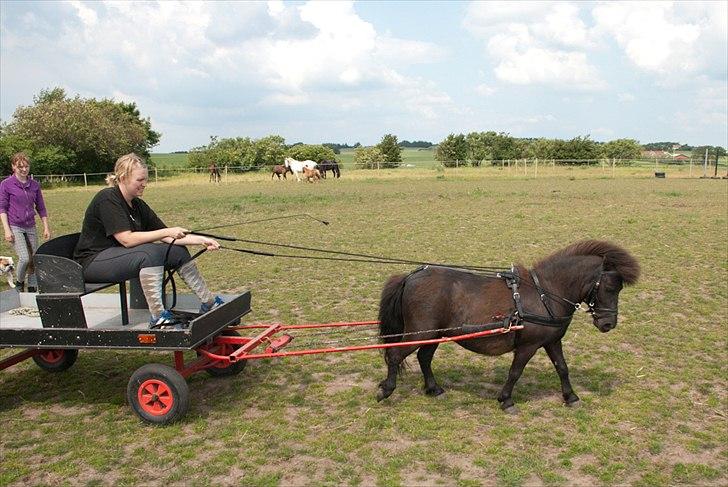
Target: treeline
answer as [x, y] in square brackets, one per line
[248, 154]
[477, 148]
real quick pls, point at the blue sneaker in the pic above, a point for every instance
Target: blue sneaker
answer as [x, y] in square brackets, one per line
[164, 320]
[216, 303]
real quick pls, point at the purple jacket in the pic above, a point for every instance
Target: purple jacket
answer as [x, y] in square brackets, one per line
[20, 200]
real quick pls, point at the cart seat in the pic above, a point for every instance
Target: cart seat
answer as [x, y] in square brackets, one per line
[58, 275]
[56, 270]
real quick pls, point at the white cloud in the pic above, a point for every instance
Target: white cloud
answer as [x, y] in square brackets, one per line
[626, 97]
[485, 90]
[535, 43]
[215, 56]
[650, 34]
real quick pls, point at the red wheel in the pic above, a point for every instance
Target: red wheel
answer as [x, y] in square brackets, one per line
[56, 360]
[222, 369]
[158, 394]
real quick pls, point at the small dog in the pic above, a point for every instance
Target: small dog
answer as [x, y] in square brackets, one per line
[7, 268]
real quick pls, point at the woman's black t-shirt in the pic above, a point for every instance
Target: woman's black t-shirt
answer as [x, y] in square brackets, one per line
[108, 214]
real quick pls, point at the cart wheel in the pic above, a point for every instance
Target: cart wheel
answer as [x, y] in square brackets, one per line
[221, 369]
[158, 394]
[56, 360]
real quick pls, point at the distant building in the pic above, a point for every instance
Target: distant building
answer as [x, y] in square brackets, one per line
[680, 157]
[655, 154]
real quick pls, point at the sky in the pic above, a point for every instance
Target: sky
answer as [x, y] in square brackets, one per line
[347, 72]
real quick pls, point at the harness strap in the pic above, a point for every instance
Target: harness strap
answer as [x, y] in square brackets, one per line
[511, 279]
[541, 293]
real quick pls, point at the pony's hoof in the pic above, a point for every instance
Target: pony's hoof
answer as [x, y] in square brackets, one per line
[512, 410]
[435, 391]
[382, 395]
[573, 404]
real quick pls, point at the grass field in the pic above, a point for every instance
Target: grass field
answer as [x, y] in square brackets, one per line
[654, 390]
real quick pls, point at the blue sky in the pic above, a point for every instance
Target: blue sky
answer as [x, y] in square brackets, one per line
[351, 72]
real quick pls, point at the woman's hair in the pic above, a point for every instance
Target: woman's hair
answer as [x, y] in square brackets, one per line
[18, 158]
[124, 167]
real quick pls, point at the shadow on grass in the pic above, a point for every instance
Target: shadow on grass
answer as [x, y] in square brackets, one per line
[535, 383]
[101, 378]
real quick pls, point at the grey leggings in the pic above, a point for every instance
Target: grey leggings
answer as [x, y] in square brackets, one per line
[21, 248]
[117, 264]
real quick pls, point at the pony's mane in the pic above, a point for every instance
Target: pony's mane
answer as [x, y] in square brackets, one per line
[615, 258]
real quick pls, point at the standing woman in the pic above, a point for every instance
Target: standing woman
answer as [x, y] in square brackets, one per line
[120, 240]
[20, 198]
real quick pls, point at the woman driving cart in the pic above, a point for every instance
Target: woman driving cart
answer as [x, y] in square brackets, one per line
[120, 240]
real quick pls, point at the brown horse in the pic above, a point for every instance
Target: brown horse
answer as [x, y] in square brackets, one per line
[280, 170]
[432, 302]
[214, 173]
[311, 174]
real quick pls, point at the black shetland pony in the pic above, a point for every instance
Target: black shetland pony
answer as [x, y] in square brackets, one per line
[332, 166]
[432, 299]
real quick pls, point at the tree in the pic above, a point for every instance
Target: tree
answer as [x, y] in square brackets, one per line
[368, 157]
[540, 149]
[391, 151]
[579, 150]
[316, 153]
[622, 149]
[452, 151]
[478, 148]
[74, 135]
[271, 150]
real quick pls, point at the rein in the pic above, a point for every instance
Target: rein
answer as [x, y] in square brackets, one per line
[349, 256]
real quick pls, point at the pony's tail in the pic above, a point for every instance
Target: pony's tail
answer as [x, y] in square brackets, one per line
[390, 309]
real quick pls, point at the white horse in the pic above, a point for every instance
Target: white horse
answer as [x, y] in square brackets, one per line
[297, 166]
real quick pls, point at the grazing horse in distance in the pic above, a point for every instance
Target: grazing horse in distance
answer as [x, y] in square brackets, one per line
[434, 302]
[214, 173]
[280, 170]
[296, 166]
[329, 165]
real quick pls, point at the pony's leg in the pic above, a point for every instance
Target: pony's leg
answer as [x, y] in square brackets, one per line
[424, 356]
[521, 356]
[393, 358]
[556, 354]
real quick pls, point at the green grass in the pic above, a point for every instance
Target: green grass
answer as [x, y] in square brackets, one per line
[653, 409]
[170, 161]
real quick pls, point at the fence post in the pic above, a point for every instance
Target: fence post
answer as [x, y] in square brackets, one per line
[535, 169]
[613, 164]
[226, 179]
[85, 183]
[155, 174]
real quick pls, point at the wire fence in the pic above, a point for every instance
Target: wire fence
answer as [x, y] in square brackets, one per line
[526, 167]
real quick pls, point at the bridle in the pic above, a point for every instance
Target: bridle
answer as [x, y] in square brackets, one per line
[591, 299]
[512, 279]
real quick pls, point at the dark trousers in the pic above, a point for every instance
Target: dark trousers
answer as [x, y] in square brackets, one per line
[118, 264]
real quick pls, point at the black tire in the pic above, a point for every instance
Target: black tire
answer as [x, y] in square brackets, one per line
[56, 360]
[158, 394]
[226, 371]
